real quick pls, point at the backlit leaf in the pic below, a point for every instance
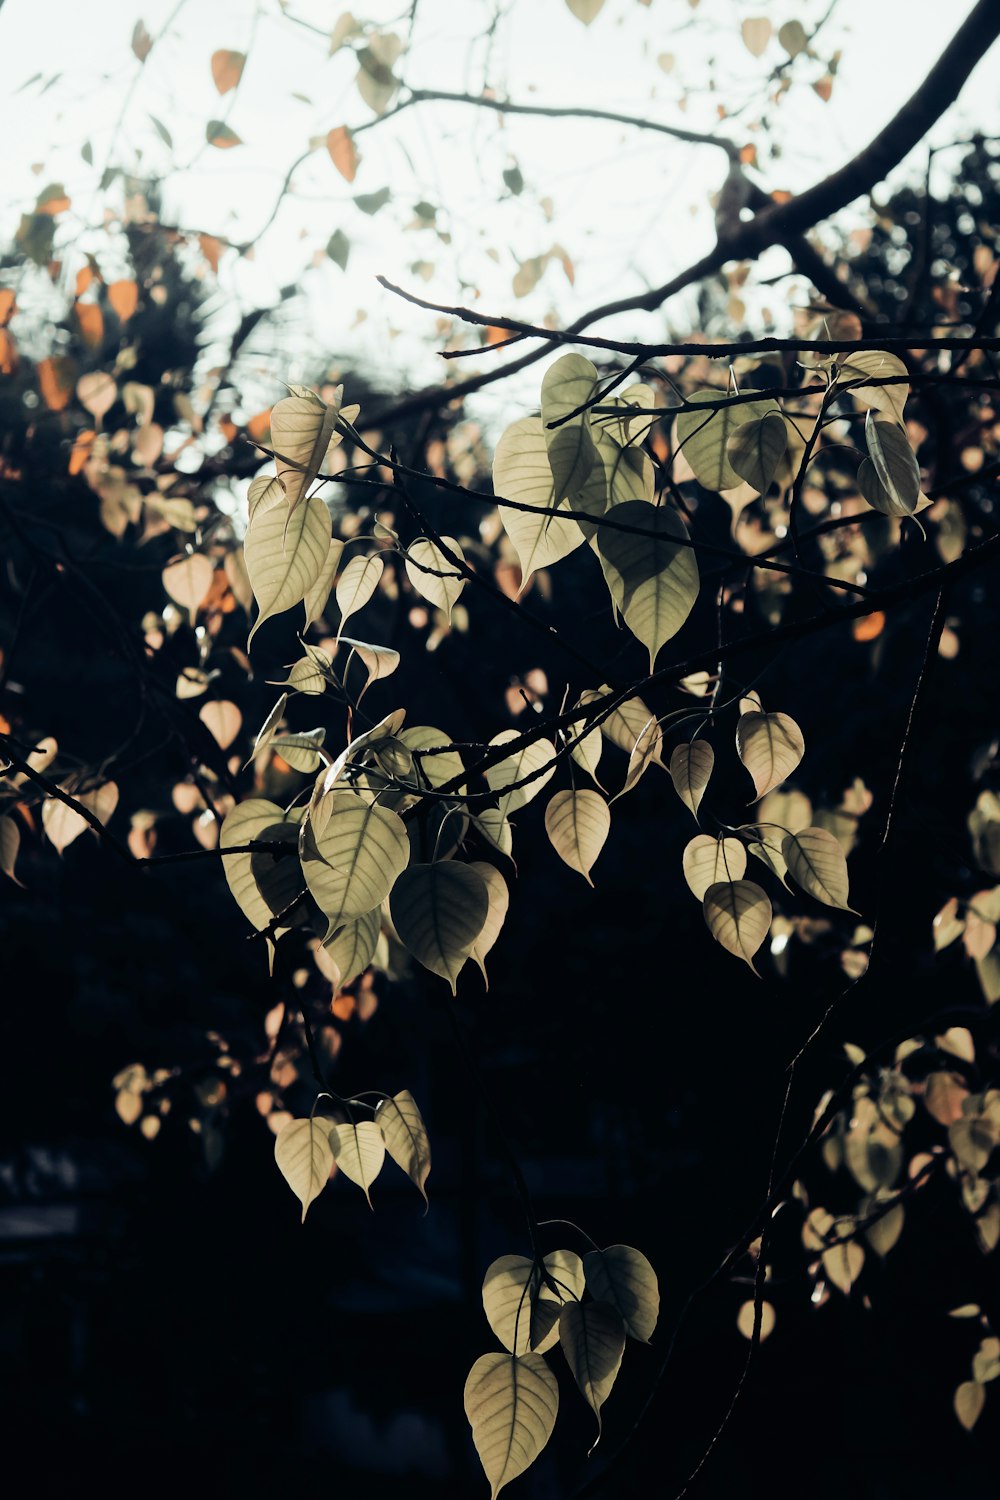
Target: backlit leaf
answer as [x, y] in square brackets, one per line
[568, 383]
[592, 1336]
[770, 746]
[521, 472]
[357, 583]
[302, 1151]
[703, 436]
[302, 427]
[499, 897]
[351, 865]
[444, 583]
[227, 69]
[511, 1403]
[895, 469]
[970, 1398]
[707, 861]
[624, 1278]
[359, 1151]
[318, 594]
[577, 823]
[522, 762]
[343, 152]
[525, 1318]
[285, 555]
[405, 1134]
[756, 449]
[653, 581]
[876, 364]
[352, 947]
[188, 581]
[738, 914]
[690, 770]
[816, 862]
[439, 911]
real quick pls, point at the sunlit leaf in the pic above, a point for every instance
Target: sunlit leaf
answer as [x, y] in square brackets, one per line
[63, 824]
[350, 866]
[188, 581]
[526, 760]
[690, 770]
[357, 583]
[285, 555]
[406, 1139]
[770, 746]
[359, 1151]
[511, 1403]
[262, 885]
[227, 69]
[653, 581]
[318, 594]
[816, 862]
[439, 911]
[352, 947]
[585, 10]
[302, 427]
[302, 1151]
[577, 823]
[746, 1316]
[569, 383]
[499, 898]
[444, 582]
[624, 1278]
[708, 861]
[738, 914]
[703, 436]
[893, 467]
[343, 152]
[525, 1316]
[756, 32]
[10, 843]
[756, 449]
[521, 472]
[592, 1337]
[843, 1264]
[876, 364]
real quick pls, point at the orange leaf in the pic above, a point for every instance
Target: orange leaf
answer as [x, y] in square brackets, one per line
[56, 379]
[781, 195]
[496, 335]
[80, 452]
[8, 306]
[8, 353]
[218, 133]
[91, 321]
[227, 69]
[124, 298]
[84, 277]
[259, 426]
[748, 155]
[824, 88]
[870, 627]
[343, 152]
[220, 596]
[211, 249]
[52, 200]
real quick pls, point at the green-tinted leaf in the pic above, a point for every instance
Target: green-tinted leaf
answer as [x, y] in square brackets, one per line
[521, 472]
[523, 762]
[592, 1336]
[405, 1134]
[499, 897]
[318, 594]
[432, 770]
[756, 448]
[653, 581]
[690, 770]
[350, 867]
[770, 746]
[352, 947]
[302, 1151]
[301, 429]
[523, 1319]
[577, 823]
[738, 914]
[285, 555]
[356, 584]
[261, 885]
[443, 585]
[301, 751]
[359, 1151]
[703, 436]
[895, 468]
[439, 911]
[568, 383]
[875, 364]
[511, 1404]
[624, 1278]
[707, 861]
[816, 862]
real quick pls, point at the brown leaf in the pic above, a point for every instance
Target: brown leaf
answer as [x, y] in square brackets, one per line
[227, 69]
[343, 152]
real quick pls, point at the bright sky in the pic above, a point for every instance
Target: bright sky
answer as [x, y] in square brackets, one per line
[628, 207]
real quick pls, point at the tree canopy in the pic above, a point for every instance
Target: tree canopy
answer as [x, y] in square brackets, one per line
[541, 747]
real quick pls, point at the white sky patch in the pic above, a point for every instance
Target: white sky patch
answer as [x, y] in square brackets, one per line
[629, 207]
